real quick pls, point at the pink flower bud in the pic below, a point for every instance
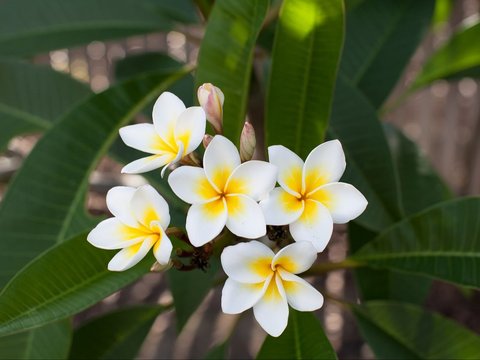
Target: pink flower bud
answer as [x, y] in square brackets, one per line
[247, 142]
[211, 100]
[206, 140]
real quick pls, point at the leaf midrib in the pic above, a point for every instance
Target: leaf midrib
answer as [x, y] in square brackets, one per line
[24, 115]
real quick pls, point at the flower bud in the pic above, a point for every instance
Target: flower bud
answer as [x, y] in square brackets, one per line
[247, 142]
[206, 140]
[211, 100]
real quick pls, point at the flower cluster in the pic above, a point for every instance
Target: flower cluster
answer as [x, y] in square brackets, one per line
[227, 189]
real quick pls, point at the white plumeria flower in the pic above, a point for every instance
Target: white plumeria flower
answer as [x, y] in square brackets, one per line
[141, 217]
[310, 198]
[175, 132]
[224, 192]
[267, 282]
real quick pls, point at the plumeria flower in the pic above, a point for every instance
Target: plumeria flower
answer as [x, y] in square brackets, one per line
[175, 132]
[267, 282]
[224, 192]
[141, 217]
[310, 198]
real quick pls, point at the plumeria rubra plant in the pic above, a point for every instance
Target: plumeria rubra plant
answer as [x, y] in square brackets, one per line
[236, 153]
[225, 193]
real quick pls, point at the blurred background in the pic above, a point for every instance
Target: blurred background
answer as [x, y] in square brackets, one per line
[443, 119]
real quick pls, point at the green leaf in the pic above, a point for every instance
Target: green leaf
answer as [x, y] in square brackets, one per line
[63, 281]
[381, 37]
[189, 288]
[458, 57]
[51, 341]
[303, 339]
[33, 97]
[368, 155]
[29, 27]
[396, 285]
[401, 331]
[116, 335]
[226, 56]
[442, 242]
[306, 52]
[420, 185]
[219, 352]
[42, 200]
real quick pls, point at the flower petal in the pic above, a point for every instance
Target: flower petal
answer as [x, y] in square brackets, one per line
[281, 208]
[271, 311]
[150, 207]
[130, 256]
[191, 185]
[162, 248]
[166, 111]
[300, 294]
[296, 258]
[245, 217]
[206, 221]
[220, 159]
[238, 297]
[253, 178]
[315, 225]
[112, 234]
[343, 200]
[118, 202]
[324, 164]
[289, 166]
[247, 262]
[145, 138]
[147, 164]
[190, 128]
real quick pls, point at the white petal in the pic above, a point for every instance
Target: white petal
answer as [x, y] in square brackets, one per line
[191, 185]
[245, 217]
[130, 256]
[118, 202]
[326, 163]
[315, 225]
[297, 257]
[248, 262]
[289, 166]
[271, 311]
[238, 297]
[300, 294]
[281, 208]
[253, 178]
[343, 200]
[149, 206]
[166, 111]
[144, 137]
[206, 221]
[163, 248]
[147, 164]
[112, 234]
[190, 128]
[220, 159]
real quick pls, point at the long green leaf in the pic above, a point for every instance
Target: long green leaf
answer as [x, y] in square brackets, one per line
[33, 97]
[61, 282]
[51, 341]
[28, 27]
[302, 339]
[226, 56]
[458, 57]
[381, 36]
[401, 331]
[116, 335]
[306, 52]
[368, 155]
[442, 242]
[42, 200]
